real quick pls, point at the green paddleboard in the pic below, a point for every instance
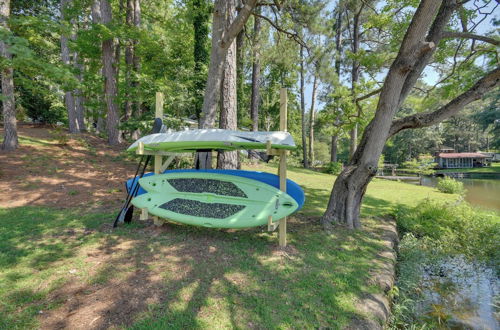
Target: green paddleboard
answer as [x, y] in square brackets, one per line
[213, 200]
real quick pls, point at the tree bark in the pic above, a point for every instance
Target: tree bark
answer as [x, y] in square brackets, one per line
[228, 100]
[110, 86]
[200, 51]
[129, 60]
[221, 40]
[97, 19]
[355, 78]
[415, 51]
[333, 153]
[311, 119]
[255, 98]
[303, 109]
[10, 141]
[137, 61]
[338, 59]
[69, 99]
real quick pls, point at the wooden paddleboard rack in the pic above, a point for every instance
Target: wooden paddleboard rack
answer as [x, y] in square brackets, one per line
[160, 166]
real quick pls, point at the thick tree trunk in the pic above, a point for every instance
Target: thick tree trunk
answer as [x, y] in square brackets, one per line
[10, 141]
[110, 86]
[222, 38]
[303, 109]
[333, 152]
[311, 120]
[228, 100]
[415, 51]
[69, 99]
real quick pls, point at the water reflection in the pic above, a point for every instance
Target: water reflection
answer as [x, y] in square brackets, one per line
[480, 192]
[462, 294]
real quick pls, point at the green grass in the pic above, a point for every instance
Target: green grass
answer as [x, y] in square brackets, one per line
[208, 277]
[494, 168]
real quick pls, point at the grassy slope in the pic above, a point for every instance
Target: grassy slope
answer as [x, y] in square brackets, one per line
[205, 277]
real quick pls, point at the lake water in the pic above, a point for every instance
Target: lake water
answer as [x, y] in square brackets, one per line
[465, 293]
[481, 192]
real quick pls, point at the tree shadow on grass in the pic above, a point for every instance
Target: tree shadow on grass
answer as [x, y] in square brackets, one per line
[188, 277]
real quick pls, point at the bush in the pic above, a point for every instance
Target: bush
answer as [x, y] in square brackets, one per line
[449, 185]
[333, 168]
[454, 228]
[60, 135]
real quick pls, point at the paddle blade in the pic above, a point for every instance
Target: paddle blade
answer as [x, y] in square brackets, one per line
[129, 214]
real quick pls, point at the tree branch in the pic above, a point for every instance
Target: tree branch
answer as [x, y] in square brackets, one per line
[238, 23]
[466, 35]
[485, 84]
[294, 35]
[364, 97]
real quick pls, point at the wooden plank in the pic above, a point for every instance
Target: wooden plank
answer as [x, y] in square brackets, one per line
[144, 215]
[282, 166]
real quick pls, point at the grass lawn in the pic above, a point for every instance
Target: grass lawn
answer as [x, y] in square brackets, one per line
[494, 168]
[64, 267]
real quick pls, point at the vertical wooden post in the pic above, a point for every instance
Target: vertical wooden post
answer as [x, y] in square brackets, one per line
[282, 166]
[158, 158]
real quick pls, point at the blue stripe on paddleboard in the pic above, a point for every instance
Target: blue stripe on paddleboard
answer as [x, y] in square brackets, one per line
[292, 188]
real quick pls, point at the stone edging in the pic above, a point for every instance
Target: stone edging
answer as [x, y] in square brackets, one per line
[376, 307]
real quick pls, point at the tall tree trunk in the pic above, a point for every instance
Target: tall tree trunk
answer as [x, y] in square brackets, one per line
[129, 60]
[137, 60]
[311, 119]
[333, 153]
[255, 98]
[69, 99]
[201, 16]
[79, 102]
[228, 100]
[355, 77]
[240, 73]
[97, 19]
[417, 47]
[10, 141]
[303, 109]
[110, 87]
[221, 40]
[338, 59]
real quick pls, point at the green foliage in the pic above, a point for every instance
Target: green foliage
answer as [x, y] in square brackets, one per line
[424, 166]
[333, 168]
[449, 185]
[60, 135]
[455, 228]
[432, 232]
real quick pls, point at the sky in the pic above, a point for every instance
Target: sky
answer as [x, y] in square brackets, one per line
[430, 76]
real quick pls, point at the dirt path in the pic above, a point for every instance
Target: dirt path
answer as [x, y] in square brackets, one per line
[86, 172]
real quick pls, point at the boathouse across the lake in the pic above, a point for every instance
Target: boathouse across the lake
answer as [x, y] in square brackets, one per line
[447, 158]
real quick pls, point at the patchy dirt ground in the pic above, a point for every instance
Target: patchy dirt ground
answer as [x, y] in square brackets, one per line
[86, 172]
[173, 276]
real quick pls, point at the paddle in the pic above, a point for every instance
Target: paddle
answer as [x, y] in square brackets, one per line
[127, 209]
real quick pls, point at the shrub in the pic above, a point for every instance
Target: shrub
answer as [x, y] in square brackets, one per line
[60, 135]
[333, 168]
[449, 185]
[454, 228]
